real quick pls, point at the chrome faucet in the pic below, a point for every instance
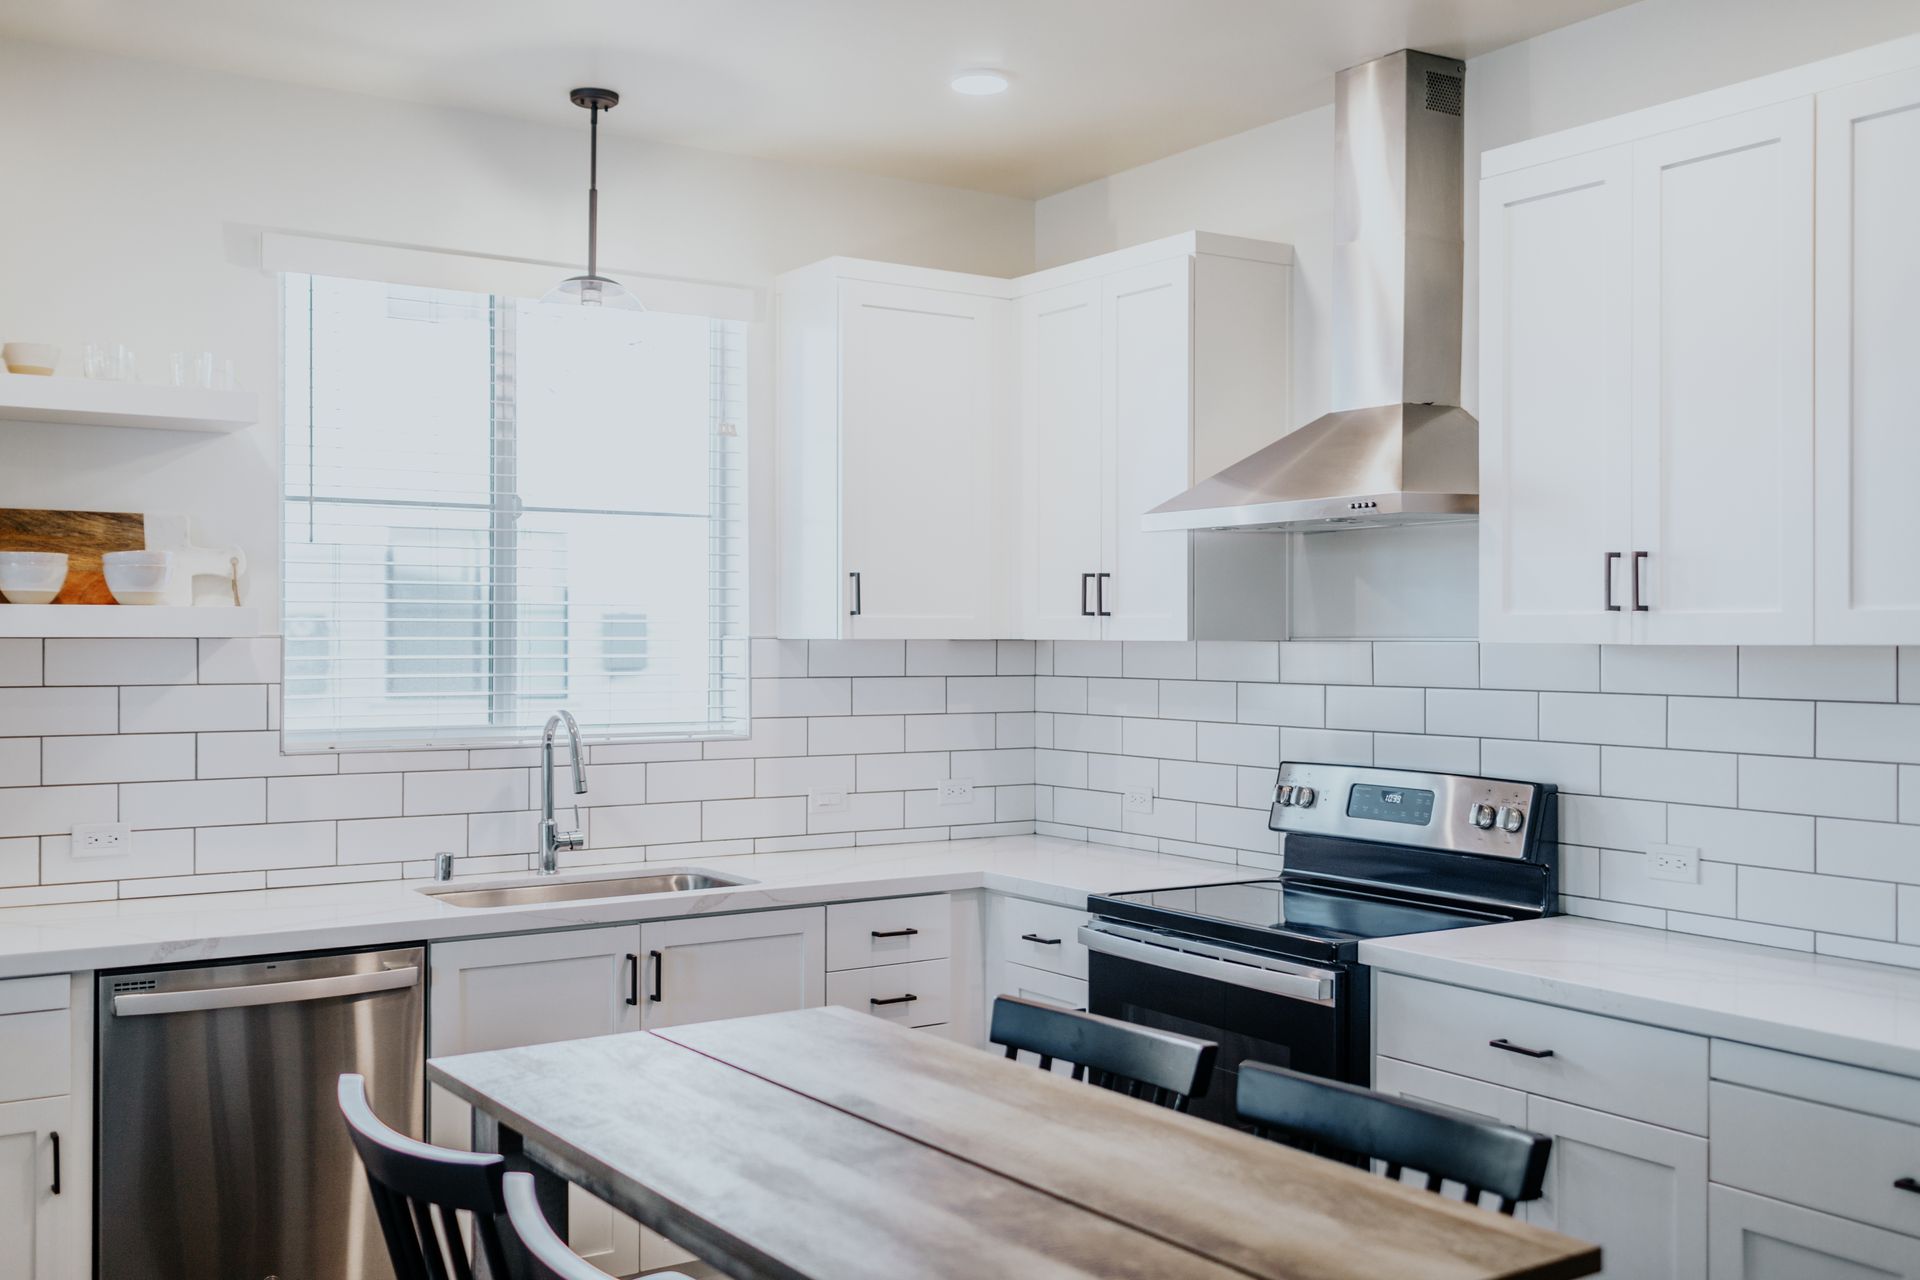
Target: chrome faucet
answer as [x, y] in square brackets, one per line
[552, 838]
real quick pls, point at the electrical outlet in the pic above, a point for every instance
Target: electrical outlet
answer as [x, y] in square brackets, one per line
[1138, 800]
[956, 791]
[826, 800]
[101, 840]
[1673, 862]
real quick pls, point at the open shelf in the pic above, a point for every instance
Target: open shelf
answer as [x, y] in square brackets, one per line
[90, 402]
[65, 620]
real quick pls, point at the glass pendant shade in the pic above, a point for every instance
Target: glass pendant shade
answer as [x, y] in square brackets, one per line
[593, 291]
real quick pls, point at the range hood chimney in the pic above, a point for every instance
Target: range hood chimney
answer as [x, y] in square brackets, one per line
[1399, 449]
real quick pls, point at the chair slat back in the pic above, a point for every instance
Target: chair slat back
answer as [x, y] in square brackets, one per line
[1344, 1121]
[1156, 1066]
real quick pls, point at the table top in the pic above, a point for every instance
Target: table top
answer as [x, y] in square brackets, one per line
[826, 1143]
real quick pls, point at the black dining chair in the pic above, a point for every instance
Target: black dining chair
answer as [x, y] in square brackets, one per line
[1157, 1066]
[1348, 1122]
[544, 1243]
[418, 1188]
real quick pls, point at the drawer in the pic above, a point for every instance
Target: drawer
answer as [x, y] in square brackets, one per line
[1443, 1088]
[1041, 984]
[928, 982]
[1041, 935]
[1823, 1157]
[1625, 1068]
[1750, 1238]
[888, 931]
[31, 995]
[36, 1055]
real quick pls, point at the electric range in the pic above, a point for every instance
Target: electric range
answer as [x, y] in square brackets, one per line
[1270, 969]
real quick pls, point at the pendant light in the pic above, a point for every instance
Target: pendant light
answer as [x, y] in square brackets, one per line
[593, 289]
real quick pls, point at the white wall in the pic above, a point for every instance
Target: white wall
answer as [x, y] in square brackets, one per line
[134, 194]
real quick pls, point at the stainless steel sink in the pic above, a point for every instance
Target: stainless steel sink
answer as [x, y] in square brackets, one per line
[519, 895]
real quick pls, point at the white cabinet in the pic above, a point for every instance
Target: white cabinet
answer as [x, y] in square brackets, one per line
[1866, 378]
[1750, 1237]
[46, 1184]
[892, 512]
[39, 1228]
[1062, 476]
[1637, 1190]
[705, 967]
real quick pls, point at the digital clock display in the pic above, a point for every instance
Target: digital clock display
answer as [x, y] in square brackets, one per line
[1391, 804]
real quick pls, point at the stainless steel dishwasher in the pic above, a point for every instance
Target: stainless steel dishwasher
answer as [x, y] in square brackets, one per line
[222, 1155]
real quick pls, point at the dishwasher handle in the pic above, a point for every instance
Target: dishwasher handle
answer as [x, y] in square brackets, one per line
[143, 1003]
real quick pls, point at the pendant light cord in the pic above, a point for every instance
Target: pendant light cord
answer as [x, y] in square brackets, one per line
[593, 195]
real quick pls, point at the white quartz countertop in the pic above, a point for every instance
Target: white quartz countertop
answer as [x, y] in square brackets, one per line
[117, 934]
[1823, 1006]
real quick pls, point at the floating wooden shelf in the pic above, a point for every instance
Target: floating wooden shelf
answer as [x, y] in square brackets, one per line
[65, 620]
[88, 402]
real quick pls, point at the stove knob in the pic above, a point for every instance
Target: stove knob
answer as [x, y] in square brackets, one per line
[1304, 797]
[1481, 816]
[1512, 818]
[1283, 795]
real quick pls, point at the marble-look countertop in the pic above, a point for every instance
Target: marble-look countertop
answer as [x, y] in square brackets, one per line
[1850, 1011]
[102, 935]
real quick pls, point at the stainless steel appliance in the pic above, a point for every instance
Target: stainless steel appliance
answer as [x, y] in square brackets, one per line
[1270, 969]
[222, 1155]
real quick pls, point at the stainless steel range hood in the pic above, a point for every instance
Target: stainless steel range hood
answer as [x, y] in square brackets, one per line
[1401, 451]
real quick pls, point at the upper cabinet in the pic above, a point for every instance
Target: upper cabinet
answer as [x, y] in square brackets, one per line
[1658, 314]
[963, 456]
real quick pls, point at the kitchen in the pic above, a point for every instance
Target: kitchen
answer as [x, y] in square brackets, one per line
[1507, 733]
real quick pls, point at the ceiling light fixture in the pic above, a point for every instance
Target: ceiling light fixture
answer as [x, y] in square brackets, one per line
[980, 82]
[593, 289]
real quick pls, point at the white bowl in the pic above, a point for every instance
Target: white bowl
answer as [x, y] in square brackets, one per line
[138, 577]
[32, 577]
[30, 357]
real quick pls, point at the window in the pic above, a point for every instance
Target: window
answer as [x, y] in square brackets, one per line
[496, 508]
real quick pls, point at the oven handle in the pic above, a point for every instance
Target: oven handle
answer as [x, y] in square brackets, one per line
[1314, 985]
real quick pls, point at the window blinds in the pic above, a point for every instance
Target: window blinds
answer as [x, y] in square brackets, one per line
[496, 508]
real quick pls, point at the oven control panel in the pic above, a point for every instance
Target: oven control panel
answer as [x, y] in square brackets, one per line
[1455, 812]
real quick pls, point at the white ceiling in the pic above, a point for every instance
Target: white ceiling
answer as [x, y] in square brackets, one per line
[1098, 85]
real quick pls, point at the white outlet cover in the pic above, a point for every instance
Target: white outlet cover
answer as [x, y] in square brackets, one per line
[956, 791]
[1138, 800]
[826, 801]
[1677, 862]
[101, 840]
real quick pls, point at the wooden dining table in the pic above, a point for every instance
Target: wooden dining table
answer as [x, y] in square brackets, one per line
[825, 1144]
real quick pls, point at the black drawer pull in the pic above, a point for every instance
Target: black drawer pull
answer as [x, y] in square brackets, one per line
[1034, 937]
[1907, 1184]
[895, 933]
[659, 979]
[633, 978]
[1523, 1051]
[909, 998]
[55, 1135]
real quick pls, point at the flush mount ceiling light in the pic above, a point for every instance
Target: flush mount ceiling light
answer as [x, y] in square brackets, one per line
[980, 82]
[593, 289]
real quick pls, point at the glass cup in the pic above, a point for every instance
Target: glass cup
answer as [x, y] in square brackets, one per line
[193, 369]
[109, 361]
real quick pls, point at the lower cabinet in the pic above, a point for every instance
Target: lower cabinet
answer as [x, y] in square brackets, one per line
[1751, 1237]
[497, 993]
[40, 1211]
[1637, 1190]
[46, 1136]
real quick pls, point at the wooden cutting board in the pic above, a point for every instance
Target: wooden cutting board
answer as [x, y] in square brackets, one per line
[85, 536]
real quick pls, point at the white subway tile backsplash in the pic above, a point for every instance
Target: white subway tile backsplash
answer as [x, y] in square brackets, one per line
[1169, 820]
[1160, 659]
[246, 660]
[1624, 878]
[1329, 746]
[20, 661]
[1087, 658]
[995, 768]
[1255, 786]
[606, 783]
[1087, 733]
[855, 735]
[1107, 697]
[1869, 731]
[627, 752]
[472, 791]
[1425, 751]
[1427, 663]
[1086, 808]
[1215, 700]
[969, 732]
[1708, 670]
[740, 819]
[1781, 840]
[272, 847]
[1015, 657]
[1608, 822]
[35, 811]
[1908, 672]
[1060, 768]
[769, 738]
[1251, 660]
[1326, 662]
[857, 658]
[32, 712]
[798, 775]
[1304, 705]
[1365, 707]
[361, 795]
[1832, 788]
[1017, 728]
[1617, 912]
[19, 860]
[622, 826]
[1167, 739]
[152, 853]
[1648, 773]
[904, 771]
[697, 780]
[1762, 935]
[1836, 944]
[1206, 783]
[219, 803]
[1825, 904]
[1868, 850]
[1909, 913]
[121, 661]
[396, 761]
[1839, 673]
[134, 757]
[1758, 726]
[190, 708]
[828, 696]
[1013, 804]
[1124, 773]
[1615, 719]
[777, 659]
[1580, 870]
[881, 810]
[1257, 744]
[20, 762]
[1061, 693]
[495, 834]
[910, 695]
[1571, 766]
[956, 658]
[989, 693]
[1234, 828]
[173, 886]
[250, 755]
[401, 839]
[1483, 713]
[1566, 667]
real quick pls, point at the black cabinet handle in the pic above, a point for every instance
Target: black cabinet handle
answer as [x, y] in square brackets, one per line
[1523, 1051]
[55, 1135]
[1611, 556]
[1085, 579]
[658, 981]
[895, 933]
[1034, 937]
[909, 998]
[858, 604]
[1639, 558]
[1900, 1184]
[1100, 595]
[633, 978]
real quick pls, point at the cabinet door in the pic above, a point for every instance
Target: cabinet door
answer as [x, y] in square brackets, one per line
[1866, 377]
[1061, 475]
[1723, 380]
[1147, 409]
[1637, 1190]
[38, 1229]
[536, 988]
[919, 513]
[1753, 1238]
[1555, 400]
[707, 967]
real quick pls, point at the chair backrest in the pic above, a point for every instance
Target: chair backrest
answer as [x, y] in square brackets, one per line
[538, 1235]
[1141, 1062]
[417, 1188]
[1332, 1118]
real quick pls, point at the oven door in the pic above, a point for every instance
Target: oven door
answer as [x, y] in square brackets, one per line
[1256, 1008]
